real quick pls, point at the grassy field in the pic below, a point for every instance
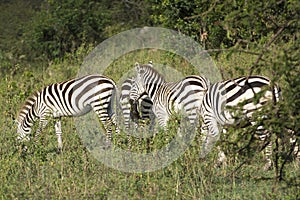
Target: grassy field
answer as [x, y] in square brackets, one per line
[75, 174]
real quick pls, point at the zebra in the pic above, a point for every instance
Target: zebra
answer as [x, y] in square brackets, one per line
[70, 98]
[221, 105]
[135, 112]
[169, 97]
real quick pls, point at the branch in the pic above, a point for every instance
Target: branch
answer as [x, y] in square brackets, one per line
[237, 50]
[204, 13]
[266, 47]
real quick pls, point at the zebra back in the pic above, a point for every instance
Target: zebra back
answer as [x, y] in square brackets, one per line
[243, 95]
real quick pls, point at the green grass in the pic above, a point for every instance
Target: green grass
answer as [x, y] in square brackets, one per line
[75, 174]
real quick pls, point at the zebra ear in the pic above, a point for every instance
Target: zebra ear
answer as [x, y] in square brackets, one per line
[138, 68]
[150, 63]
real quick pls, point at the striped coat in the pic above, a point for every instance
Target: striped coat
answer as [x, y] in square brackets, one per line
[71, 98]
[227, 102]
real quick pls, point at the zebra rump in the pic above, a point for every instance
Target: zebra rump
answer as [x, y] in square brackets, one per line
[227, 102]
[131, 111]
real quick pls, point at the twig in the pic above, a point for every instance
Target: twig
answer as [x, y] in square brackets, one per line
[203, 13]
[247, 160]
[286, 158]
[266, 47]
[237, 168]
[237, 50]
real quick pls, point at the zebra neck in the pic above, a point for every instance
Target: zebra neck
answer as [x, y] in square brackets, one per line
[29, 119]
[152, 88]
[28, 115]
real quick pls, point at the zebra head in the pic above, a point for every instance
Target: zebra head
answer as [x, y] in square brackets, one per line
[137, 88]
[147, 81]
[26, 117]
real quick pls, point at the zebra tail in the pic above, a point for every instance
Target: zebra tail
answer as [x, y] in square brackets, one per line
[114, 112]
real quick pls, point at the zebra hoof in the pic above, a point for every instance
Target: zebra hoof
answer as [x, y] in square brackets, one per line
[107, 147]
[59, 150]
[23, 151]
[202, 155]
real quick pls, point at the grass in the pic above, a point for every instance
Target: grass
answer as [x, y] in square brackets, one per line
[75, 174]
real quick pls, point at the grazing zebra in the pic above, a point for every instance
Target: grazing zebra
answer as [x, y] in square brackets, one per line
[247, 93]
[169, 97]
[74, 97]
[135, 112]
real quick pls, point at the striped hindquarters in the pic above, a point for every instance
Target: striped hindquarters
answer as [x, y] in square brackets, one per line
[186, 94]
[131, 113]
[227, 102]
[245, 94]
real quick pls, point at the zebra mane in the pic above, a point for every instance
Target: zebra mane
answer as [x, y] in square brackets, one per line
[148, 68]
[27, 106]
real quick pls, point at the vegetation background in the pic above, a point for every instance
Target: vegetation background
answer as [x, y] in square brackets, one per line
[45, 41]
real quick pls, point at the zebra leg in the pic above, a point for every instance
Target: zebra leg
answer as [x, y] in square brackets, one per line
[204, 133]
[152, 122]
[222, 159]
[162, 121]
[104, 114]
[108, 128]
[268, 155]
[58, 132]
[43, 123]
[211, 134]
[296, 151]
[114, 122]
[263, 135]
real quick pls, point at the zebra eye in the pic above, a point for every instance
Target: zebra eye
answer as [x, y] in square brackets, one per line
[141, 71]
[137, 66]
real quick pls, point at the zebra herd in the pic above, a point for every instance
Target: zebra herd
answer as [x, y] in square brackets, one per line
[149, 96]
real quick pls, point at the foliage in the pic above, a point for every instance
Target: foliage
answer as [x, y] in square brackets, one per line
[226, 22]
[14, 17]
[63, 26]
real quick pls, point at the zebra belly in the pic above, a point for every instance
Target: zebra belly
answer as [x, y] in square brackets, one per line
[83, 111]
[72, 113]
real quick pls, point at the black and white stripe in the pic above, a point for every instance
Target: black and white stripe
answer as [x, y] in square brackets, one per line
[228, 102]
[135, 112]
[70, 98]
[168, 97]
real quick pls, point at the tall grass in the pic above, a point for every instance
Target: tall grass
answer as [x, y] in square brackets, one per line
[41, 173]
